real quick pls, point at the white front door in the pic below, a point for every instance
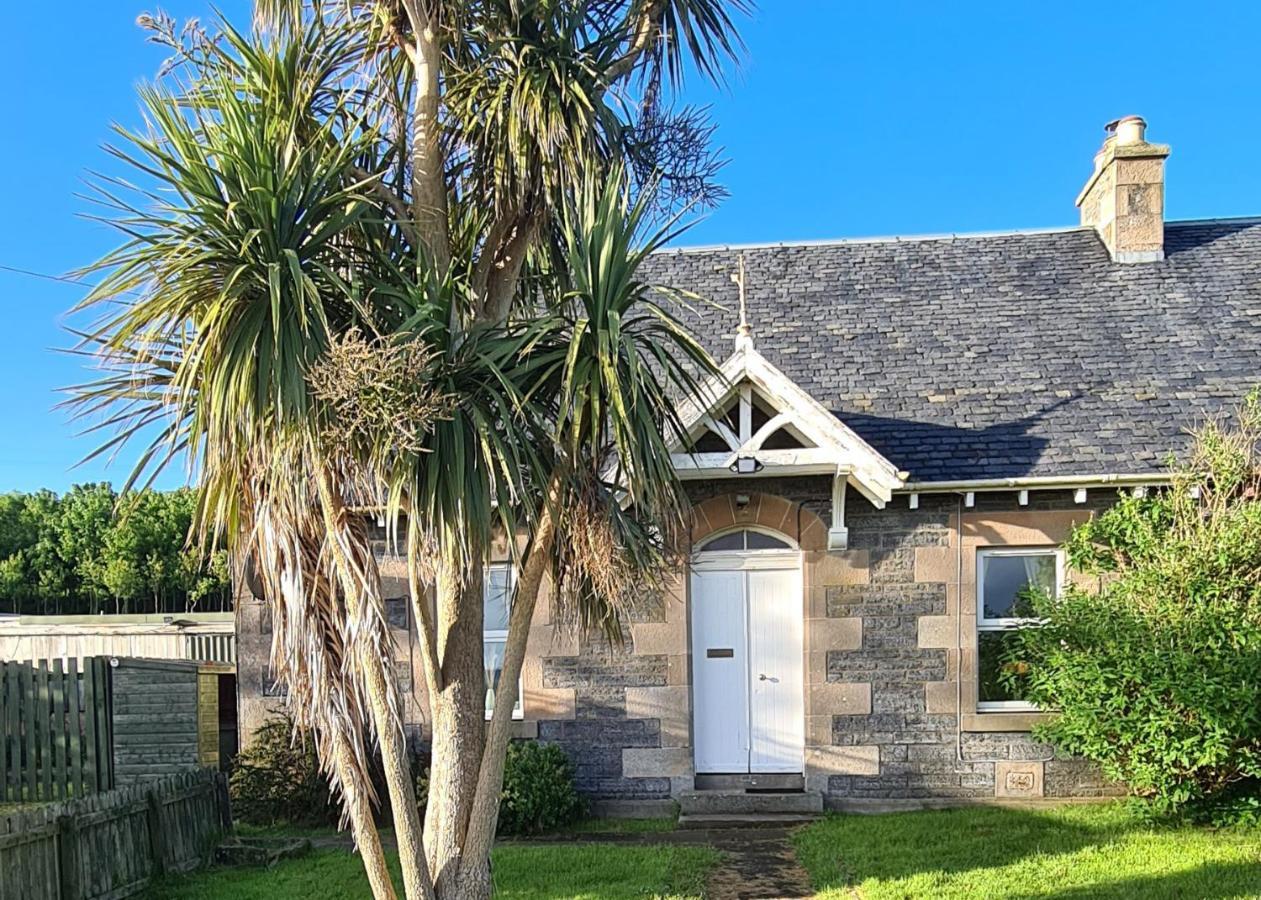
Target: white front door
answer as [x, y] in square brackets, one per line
[747, 664]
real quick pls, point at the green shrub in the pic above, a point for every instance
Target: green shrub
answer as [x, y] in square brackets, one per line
[538, 793]
[1155, 670]
[277, 780]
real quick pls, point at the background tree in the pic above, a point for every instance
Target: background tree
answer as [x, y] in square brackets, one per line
[1153, 671]
[390, 261]
[88, 552]
[85, 515]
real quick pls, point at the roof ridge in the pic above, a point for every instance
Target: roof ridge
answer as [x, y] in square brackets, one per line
[943, 236]
[1218, 220]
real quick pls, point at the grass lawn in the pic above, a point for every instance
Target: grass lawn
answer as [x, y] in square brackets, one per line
[1066, 853]
[582, 826]
[521, 872]
[623, 826]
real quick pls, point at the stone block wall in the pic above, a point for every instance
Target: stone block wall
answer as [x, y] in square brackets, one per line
[915, 602]
[617, 708]
[890, 647]
[257, 700]
[911, 747]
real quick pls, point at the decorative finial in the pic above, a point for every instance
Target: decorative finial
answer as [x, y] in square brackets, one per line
[744, 333]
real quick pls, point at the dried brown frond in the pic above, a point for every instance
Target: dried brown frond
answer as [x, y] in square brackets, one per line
[380, 394]
[423, 555]
[610, 565]
[315, 638]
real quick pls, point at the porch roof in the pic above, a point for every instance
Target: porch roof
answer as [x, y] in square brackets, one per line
[724, 410]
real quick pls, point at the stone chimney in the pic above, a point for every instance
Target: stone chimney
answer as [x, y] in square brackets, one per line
[1124, 200]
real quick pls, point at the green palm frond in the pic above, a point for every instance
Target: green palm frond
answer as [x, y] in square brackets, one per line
[240, 251]
[613, 360]
[250, 245]
[697, 32]
[629, 357]
[527, 99]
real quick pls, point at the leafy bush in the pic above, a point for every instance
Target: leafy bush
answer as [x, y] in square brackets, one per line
[1155, 670]
[538, 792]
[277, 780]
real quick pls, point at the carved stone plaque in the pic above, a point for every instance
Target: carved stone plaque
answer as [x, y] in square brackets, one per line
[1016, 779]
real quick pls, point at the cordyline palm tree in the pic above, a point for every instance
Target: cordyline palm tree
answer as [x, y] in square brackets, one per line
[389, 260]
[246, 258]
[595, 374]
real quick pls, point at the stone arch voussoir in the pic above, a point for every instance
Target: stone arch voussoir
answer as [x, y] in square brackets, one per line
[768, 511]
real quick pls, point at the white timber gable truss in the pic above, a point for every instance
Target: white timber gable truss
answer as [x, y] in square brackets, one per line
[752, 420]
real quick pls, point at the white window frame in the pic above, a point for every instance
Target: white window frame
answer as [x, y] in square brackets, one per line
[789, 543]
[1007, 623]
[726, 560]
[497, 635]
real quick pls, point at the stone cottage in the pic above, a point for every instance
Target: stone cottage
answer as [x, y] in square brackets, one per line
[907, 430]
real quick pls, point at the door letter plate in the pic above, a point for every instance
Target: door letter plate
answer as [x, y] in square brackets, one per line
[720, 653]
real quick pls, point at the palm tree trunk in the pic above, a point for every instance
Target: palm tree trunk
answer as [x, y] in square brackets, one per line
[386, 722]
[475, 872]
[400, 783]
[459, 720]
[429, 189]
[364, 830]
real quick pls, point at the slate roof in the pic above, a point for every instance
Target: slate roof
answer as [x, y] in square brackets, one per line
[1001, 355]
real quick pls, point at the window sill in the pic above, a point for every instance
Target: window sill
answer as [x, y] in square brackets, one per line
[522, 728]
[517, 716]
[1003, 721]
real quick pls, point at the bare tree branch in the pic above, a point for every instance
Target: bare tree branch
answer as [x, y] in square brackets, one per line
[485, 808]
[498, 232]
[646, 33]
[505, 269]
[402, 215]
[424, 615]
[361, 588]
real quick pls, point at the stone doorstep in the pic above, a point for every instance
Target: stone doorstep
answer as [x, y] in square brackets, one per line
[751, 781]
[742, 803]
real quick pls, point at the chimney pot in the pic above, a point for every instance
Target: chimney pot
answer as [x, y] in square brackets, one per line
[1129, 130]
[1124, 198]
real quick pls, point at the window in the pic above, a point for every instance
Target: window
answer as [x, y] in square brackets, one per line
[496, 601]
[744, 539]
[1004, 579]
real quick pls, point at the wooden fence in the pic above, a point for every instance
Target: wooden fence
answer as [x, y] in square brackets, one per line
[114, 843]
[56, 729]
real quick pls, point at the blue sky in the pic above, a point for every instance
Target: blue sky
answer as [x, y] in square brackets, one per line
[846, 119]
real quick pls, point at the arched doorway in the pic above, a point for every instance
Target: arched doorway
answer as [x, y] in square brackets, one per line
[747, 640]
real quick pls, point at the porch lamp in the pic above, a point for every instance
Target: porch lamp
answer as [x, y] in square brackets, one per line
[746, 465]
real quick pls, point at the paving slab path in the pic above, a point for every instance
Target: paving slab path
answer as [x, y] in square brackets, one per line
[757, 863]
